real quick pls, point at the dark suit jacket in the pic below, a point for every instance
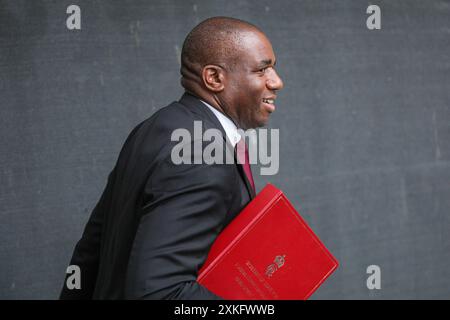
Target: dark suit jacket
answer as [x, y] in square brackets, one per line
[154, 224]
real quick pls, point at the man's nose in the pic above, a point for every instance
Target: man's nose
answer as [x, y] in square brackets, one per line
[275, 82]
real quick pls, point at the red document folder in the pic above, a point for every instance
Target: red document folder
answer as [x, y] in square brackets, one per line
[267, 252]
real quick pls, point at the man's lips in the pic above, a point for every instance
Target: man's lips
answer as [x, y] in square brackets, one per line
[269, 104]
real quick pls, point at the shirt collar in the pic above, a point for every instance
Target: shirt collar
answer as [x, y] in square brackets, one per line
[230, 128]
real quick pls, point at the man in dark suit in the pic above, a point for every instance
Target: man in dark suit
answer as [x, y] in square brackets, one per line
[153, 227]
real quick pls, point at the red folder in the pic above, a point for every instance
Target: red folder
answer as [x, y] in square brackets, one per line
[267, 252]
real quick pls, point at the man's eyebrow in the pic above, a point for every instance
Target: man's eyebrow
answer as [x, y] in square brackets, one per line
[267, 62]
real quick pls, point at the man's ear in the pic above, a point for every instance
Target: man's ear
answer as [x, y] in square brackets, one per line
[213, 77]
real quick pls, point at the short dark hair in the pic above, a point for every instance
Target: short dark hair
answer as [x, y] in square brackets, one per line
[213, 41]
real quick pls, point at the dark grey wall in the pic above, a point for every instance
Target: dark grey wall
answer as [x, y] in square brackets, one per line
[364, 128]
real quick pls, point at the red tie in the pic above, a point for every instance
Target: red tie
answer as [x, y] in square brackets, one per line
[243, 158]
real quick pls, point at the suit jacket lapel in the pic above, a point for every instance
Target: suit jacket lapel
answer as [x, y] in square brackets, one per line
[203, 111]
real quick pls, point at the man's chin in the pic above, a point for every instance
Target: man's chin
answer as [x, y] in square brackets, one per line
[264, 121]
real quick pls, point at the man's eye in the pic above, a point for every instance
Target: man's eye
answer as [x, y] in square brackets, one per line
[263, 70]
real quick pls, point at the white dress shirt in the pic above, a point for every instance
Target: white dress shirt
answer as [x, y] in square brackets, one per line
[230, 128]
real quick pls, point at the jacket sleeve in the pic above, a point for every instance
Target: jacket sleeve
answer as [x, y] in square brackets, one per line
[86, 254]
[87, 251]
[183, 214]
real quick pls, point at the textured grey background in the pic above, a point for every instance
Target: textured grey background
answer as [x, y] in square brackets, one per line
[364, 128]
